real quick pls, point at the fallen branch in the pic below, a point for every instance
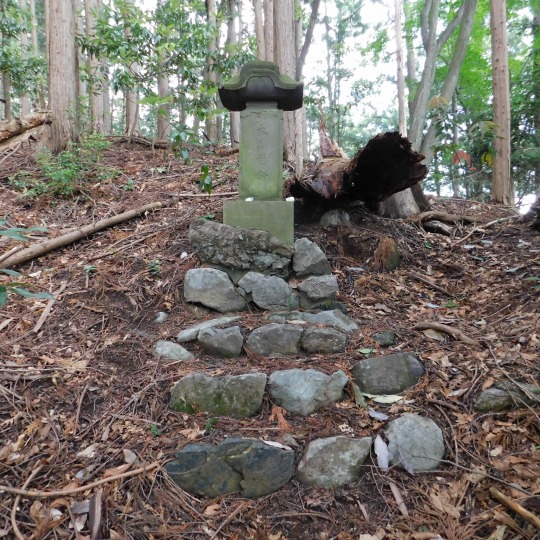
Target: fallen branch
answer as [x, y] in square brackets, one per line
[456, 334]
[38, 494]
[159, 145]
[515, 507]
[37, 250]
[16, 126]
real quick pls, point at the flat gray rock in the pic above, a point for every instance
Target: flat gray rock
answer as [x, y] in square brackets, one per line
[326, 340]
[387, 374]
[333, 318]
[252, 468]
[384, 339]
[505, 395]
[309, 259]
[191, 333]
[333, 461]
[213, 289]
[318, 291]
[415, 443]
[275, 340]
[171, 351]
[305, 391]
[225, 342]
[240, 249]
[269, 292]
[233, 395]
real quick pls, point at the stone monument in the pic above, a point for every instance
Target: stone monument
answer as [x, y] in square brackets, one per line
[261, 93]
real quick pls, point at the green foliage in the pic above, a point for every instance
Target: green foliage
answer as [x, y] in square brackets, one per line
[130, 185]
[63, 174]
[210, 424]
[17, 287]
[171, 40]
[155, 431]
[24, 70]
[154, 267]
[205, 183]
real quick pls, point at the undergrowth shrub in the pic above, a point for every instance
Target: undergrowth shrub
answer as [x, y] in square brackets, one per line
[64, 174]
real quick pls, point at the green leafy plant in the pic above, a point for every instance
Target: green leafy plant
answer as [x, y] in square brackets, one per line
[210, 424]
[205, 183]
[63, 174]
[155, 431]
[451, 304]
[17, 288]
[154, 267]
[19, 234]
[130, 185]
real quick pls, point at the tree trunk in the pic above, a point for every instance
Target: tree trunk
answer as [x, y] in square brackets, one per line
[450, 82]
[232, 39]
[95, 86]
[416, 201]
[502, 184]
[63, 75]
[132, 95]
[35, 50]
[25, 46]
[402, 125]
[106, 100]
[259, 29]
[269, 37]
[211, 74]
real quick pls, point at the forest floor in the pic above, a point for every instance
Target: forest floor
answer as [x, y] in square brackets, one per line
[85, 429]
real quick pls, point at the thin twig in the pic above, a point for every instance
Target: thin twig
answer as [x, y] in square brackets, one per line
[38, 494]
[516, 507]
[48, 307]
[231, 516]
[16, 529]
[79, 405]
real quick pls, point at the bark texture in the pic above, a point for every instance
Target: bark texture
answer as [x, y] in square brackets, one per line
[502, 184]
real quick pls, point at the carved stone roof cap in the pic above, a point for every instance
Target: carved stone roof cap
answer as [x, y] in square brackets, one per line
[261, 81]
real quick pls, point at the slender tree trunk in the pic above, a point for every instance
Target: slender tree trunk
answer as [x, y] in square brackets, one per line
[536, 89]
[163, 112]
[210, 72]
[63, 74]
[95, 85]
[132, 96]
[35, 50]
[411, 63]
[6, 95]
[233, 38]
[414, 201]
[269, 37]
[259, 29]
[6, 82]
[106, 99]
[402, 125]
[450, 82]
[502, 183]
[285, 58]
[25, 46]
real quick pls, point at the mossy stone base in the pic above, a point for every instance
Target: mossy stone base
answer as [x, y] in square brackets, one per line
[276, 217]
